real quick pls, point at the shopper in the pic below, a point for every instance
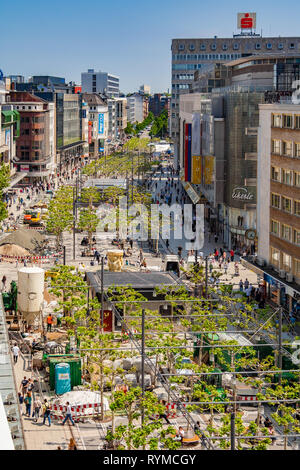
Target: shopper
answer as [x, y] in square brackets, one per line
[24, 384]
[36, 409]
[46, 412]
[16, 352]
[27, 401]
[68, 415]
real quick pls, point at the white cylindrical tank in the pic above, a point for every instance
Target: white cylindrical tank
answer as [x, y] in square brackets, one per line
[30, 292]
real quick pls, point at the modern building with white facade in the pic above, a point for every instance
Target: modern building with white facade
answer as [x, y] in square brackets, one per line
[117, 118]
[135, 108]
[100, 82]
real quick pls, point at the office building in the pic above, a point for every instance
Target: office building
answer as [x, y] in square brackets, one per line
[137, 107]
[35, 148]
[278, 190]
[145, 90]
[117, 118]
[191, 55]
[9, 132]
[158, 103]
[100, 82]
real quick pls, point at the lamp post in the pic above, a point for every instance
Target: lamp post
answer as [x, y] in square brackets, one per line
[102, 293]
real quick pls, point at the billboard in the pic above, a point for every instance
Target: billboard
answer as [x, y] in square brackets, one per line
[246, 20]
[188, 152]
[196, 169]
[101, 124]
[208, 170]
[196, 134]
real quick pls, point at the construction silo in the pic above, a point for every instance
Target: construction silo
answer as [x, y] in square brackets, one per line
[30, 293]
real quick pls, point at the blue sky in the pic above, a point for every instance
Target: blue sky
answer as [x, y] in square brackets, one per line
[130, 38]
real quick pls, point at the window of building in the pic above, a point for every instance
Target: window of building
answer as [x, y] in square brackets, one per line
[297, 179]
[286, 232]
[297, 121]
[275, 173]
[192, 47]
[287, 176]
[235, 46]
[258, 45]
[203, 47]
[213, 47]
[276, 120]
[297, 266]
[275, 200]
[297, 208]
[297, 149]
[292, 45]
[286, 262]
[286, 204]
[296, 237]
[275, 255]
[275, 226]
[181, 47]
[224, 47]
[287, 148]
[287, 121]
[280, 45]
[269, 45]
[276, 146]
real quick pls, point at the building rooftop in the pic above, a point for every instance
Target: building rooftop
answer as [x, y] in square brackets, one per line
[137, 280]
[93, 99]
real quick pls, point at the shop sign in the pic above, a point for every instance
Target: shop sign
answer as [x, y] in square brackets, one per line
[242, 194]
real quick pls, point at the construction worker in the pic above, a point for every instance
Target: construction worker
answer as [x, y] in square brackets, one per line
[49, 322]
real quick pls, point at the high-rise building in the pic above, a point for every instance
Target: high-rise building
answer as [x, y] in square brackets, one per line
[145, 89]
[100, 82]
[117, 111]
[191, 55]
[137, 107]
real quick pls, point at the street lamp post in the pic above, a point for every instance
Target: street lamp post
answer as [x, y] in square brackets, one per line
[102, 293]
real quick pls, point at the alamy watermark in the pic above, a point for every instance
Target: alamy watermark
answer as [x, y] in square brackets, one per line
[139, 222]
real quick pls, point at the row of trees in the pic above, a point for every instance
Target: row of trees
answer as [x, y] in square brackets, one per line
[160, 125]
[134, 129]
[169, 340]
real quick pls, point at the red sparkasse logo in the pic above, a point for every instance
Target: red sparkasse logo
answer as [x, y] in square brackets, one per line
[247, 20]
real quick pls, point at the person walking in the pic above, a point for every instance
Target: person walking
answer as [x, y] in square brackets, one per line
[241, 285]
[37, 405]
[232, 255]
[49, 322]
[3, 283]
[246, 284]
[23, 386]
[68, 415]
[27, 401]
[46, 412]
[16, 352]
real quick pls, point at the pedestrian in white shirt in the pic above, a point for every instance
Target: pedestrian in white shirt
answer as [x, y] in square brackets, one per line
[16, 351]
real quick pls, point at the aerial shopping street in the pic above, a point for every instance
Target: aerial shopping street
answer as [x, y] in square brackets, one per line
[150, 246]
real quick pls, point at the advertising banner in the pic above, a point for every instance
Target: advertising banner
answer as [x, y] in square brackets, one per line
[197, 169]
[188, 152]
[196, 134]
[101, 124]
[208, 171]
